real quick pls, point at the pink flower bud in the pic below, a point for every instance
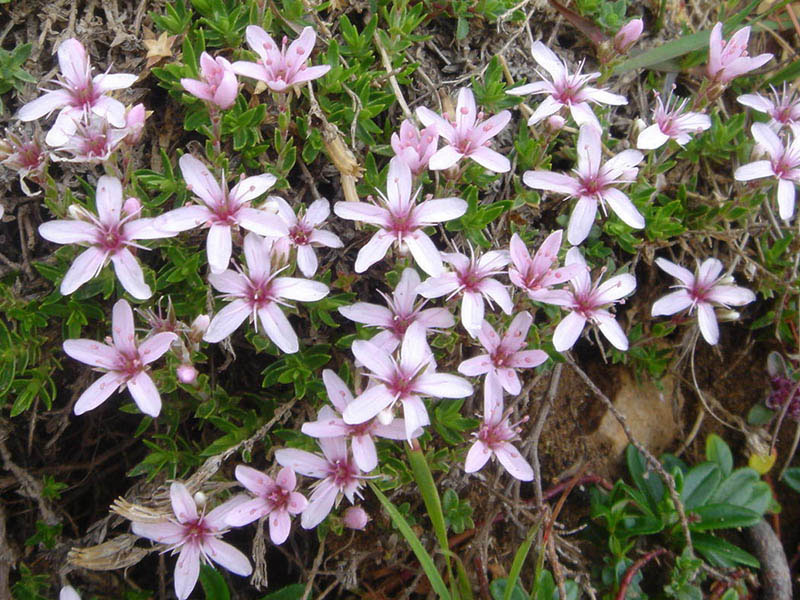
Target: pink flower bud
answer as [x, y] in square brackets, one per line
[555, 123]
[199, 326]
[131, 206]
[186, 373]
[134, 121]
[355, 517]
[218, 84]
[627, 35]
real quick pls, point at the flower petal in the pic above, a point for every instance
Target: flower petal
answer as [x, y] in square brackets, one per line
[99, 392]
[581, 220]
[219, 247]
[300, 461]
[568, 331]
[130, 274]
[187, 570]
[145, 394]
[707, 320]
[296, 288]
[425, 253]
[226, 321]
[364, 452]
[200, 181]
[671, 303]
[513, 462]
[278, 328]
[754, 170]
[155, 346]
[92, 353]
[68, 231]
[478, 455]
[227, 556]
[368, 405]
[373, 251]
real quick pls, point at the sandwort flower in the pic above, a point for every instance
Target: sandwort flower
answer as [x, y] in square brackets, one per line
[197, 537]
[702, 291]
[94, 141]
[401, 311]
[565, 90]
[108, 235]
[728, 60]
[401, 220]
[406, 381]
[304, 233]
[783, 109]
[81, 93]
[26, 156]
[672, 122]
[259, 294]
[280, 68]
[594, 183]
[124, 361]
[217, 86]
[415, 147]
[329, 424]
[536, 275]
[588, 302]
[221, 210]
[468, 135]
[628, 35]
[472, 279]
[783, 164]
[504, 355]
[273, 497]
[494, 438]
[337, 471]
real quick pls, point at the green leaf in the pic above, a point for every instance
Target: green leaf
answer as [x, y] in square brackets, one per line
[760, 414]
[500, 590]
[519, 560]
[792, 478]
[213, 584]
[736, 488]
[647, 481]
[293, 591]
[422, 555]
[699, 483]
[718, 451]
[723, 516]
[721, 553]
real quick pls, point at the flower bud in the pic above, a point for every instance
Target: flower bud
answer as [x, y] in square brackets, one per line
[386, 416]
[355, 517]
[134, 122]
[186, 373]
[131, 206]
[200, 499]
[627, 35]
[199, 326]
[555, 123]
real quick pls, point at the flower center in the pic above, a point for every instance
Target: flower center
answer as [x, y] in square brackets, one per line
[300, 234]
[260, 294]
[469, 280]
[342, 473]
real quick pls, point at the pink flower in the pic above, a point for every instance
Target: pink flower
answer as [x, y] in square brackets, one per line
[401, 220]
[494, 438]
[221, 210]
[783, 164]
[702, 291]
[80, 94]
[93, 141]
[259, 294]
[415, 147]
[26, 156]
[304, 233]
[628, 35]
[565, 90]
[124, 361]
[728, 60]
[275, 498]
[536, 275]
[588, 302]
[186, 373]
[338, 473]
[217, 84]
[134, 123]
[594, 183]
[329, 424]
[504, 355]
[472, 279]
[672, 122]
[402, 311]
[784, 109]
[280, 68]
[468, 135]
[406, 381]
[355, 517]
[197, 536]
[108, 236]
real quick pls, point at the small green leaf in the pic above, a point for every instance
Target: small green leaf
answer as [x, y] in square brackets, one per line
[213, 584]
[718, 451]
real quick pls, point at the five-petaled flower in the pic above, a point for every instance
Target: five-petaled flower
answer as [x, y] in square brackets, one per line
[405, 380]
[701, 291]
[196, 536]
[401, 220]
[80, 94]
[221, 210]
[783, 109]
[504, 355]
[595, 182]
[588, 304]
[329, 424]
[259, 294]
[273, 497]
[536, 275]
[415, 147]
[473, 279]
[783, 164]
[401, 311]
[108, 235]
[337, 471]
[565, 90]
[728, 60]
[468, 135]
[304, 233]
[494, 438]
[672, 122]
[218, 85]
[280, 68]
[124, 361]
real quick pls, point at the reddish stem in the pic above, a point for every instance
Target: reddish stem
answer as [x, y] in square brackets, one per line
[559, 487]
[634, 568]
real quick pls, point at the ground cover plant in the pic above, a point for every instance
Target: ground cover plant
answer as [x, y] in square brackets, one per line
[398, 299]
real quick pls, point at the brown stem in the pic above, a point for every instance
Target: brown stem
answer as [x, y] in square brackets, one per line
[634, 568]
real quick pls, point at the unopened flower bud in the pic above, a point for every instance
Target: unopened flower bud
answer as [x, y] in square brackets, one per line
[555, 123]
[199, 326]
[186, 374]
[402, 249]
[628, 35]
[200, 499]
[131, 206]
[728, 315]
[355, 517]
[134, 122]
[386, 416]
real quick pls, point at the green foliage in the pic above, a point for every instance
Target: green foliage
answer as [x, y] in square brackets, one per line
[176, 18]
[449, 423]
[225, 20]
[490, 93]
[608, 14]
[29, 586]
[477, 217]
[457, 513]
[294, 591]
[213, 584]
[46, 535]
[12, 75]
